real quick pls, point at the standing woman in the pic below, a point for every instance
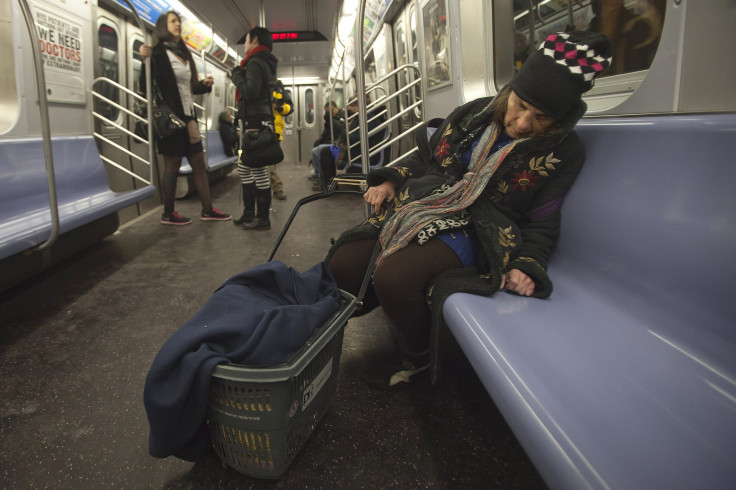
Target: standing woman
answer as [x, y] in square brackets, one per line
[175, 75]
[255, 79]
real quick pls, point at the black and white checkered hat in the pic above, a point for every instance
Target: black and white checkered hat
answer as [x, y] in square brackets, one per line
[563, 68]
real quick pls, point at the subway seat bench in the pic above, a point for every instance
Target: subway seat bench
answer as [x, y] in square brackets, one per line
[86, 203]
[625, 378]
[218, 165]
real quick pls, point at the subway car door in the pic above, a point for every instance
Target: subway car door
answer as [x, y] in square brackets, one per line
[133, 65]
[290, 139]
[309, 119]
[110, 43]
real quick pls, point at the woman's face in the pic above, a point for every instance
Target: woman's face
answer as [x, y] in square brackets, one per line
[250, 44]
[173, 24]
[523, 120]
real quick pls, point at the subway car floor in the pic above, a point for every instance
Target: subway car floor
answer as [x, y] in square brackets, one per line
[76, 343]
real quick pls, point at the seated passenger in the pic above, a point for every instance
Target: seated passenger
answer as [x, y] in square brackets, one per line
[327, 158]
[478, 209]
[521, 50]
[334, 128]
[228, 133]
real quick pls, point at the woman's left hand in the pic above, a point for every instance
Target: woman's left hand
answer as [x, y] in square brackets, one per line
[208, 81]
[517, 282]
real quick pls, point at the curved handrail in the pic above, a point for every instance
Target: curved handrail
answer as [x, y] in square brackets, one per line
[45, 126]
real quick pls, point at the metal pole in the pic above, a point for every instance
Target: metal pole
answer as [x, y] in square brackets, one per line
[360, 87]
[45, 126]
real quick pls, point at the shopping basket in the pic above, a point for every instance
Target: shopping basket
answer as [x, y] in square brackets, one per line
[259, 418]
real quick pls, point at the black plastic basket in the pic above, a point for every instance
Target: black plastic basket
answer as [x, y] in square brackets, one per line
[260, 417]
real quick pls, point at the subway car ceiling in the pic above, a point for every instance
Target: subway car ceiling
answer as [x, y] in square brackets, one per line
[231, 19]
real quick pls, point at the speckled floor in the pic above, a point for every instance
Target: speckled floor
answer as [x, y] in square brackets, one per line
[77, 341]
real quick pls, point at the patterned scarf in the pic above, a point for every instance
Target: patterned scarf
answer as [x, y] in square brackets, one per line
[408, 220]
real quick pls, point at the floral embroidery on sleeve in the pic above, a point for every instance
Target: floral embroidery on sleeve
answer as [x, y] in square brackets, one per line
[506, 239]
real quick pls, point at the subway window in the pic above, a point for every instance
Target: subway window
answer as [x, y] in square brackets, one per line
[634, 28]
[137, 65]
[309, 114]
[289, 120]
[107, 66]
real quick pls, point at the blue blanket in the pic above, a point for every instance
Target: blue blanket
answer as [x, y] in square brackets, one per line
[259, 317]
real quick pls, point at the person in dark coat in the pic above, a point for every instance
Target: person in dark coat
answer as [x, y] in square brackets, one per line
[477, 209]
[228, 134]
[255, 79]
[175, 75]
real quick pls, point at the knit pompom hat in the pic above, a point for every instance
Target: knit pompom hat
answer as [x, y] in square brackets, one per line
[555, 76]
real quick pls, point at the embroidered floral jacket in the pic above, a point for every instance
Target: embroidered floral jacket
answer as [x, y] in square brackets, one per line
[517, 217]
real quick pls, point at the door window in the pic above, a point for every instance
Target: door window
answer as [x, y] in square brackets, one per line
[107, 66]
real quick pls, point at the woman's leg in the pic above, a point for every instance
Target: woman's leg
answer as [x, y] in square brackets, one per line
[248, 183]
[168, 184]
[348, 265]
[401, 282]
[263, 200]
[196, 160]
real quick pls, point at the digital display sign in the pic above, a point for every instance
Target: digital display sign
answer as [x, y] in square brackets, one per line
[297, 36]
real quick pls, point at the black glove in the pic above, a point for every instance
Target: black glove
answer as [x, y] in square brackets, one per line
[238, 76]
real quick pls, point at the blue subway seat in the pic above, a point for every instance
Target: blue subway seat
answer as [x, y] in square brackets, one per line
[82, 191]
[626, 376]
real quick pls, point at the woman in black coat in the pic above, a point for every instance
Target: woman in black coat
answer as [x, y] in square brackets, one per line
[478, 208]
[175, 77]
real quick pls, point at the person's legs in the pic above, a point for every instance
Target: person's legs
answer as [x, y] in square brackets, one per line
[277, 185]
[348, 265]
[263, 200]
[327, 169]
[201, 181]
[316, 164]
[168, 191]
[196, 160]
[401, 282]
[248, 183]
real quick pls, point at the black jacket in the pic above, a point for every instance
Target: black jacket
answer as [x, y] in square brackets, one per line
[516, 218]
[255, 82]
[163, 77]
[338, 128]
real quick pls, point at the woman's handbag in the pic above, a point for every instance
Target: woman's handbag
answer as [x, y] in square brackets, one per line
[261, 148]
[165, 121]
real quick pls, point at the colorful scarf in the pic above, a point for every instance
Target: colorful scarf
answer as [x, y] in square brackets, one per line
[408, 220]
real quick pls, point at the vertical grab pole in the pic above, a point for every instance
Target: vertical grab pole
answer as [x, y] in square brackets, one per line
[360, 86]
[45, 125]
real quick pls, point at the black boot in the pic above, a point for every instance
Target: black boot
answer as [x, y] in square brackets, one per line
[249, 204]
[263, 205]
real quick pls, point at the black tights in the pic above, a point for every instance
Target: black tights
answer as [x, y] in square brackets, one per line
[199, 169]
[399, 283]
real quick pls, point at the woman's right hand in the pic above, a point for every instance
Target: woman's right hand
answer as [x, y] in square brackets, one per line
[145, 51]
[376, 195]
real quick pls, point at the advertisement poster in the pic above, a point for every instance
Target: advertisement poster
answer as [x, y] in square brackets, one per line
[60, 41]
